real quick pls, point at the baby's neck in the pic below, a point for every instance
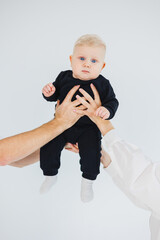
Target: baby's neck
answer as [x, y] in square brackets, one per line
[81, 78]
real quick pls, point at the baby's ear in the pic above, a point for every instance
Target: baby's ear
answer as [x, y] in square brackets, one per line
[104, 64]
[70, 58]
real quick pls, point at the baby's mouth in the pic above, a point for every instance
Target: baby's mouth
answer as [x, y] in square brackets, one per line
[85, 71]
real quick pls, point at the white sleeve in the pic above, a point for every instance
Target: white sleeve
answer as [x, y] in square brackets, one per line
[134, 173]
[154, 224]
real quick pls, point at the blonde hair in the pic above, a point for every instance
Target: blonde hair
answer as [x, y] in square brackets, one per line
[90, 40]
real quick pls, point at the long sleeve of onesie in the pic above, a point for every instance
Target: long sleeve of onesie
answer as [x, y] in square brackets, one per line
[56, 83]
[109, 99]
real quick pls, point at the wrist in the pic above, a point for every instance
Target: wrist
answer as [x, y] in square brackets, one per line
[62, 123]
[53, 128]
[104, 125]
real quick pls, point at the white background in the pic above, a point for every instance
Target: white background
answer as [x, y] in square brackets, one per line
[36, 40]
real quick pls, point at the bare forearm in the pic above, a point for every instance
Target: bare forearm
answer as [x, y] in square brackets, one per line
[19, 146]
[104, 125]
[30, 159]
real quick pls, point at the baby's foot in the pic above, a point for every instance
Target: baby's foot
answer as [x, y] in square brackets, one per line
[86, 190]
[48, 183]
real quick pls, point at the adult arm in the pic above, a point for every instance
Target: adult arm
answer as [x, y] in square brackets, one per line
[133, 172]
[135, 175]
[35, 156]
[28, 160]
[130, 169]
[19, 146]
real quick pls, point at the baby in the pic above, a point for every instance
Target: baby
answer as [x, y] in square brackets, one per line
[87, 62]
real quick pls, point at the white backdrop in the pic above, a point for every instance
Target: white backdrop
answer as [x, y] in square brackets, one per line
[36, 40]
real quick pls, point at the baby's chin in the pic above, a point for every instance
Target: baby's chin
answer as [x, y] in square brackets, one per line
[89, 78]
[85, 76]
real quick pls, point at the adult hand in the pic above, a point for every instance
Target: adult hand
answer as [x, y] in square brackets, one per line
[91, 106]
[65, 112]
[72, 147]
[105, 158]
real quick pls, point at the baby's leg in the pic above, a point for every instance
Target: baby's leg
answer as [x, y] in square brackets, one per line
[50, 161]
[89, 149]
[48, 183]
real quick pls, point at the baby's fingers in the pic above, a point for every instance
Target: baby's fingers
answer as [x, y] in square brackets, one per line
[52, 87]
[97, 113]
[49, 87]
[101, 113]
[45, 89]
[48, 90]
[105, 116]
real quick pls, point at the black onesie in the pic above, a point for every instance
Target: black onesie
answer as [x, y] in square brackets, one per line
[84, 131]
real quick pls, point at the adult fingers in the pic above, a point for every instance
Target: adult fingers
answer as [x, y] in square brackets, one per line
[76, 103]
[72, 147]
[96, 94]
[81, 112]
[82, 101]
[81, 107]
[86, 95]
[71, 93]
[72, 150]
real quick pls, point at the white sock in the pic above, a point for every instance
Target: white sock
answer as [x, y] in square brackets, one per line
[86, 190]
[48, 183]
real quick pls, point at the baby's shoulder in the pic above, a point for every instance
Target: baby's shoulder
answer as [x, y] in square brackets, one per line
[62, 77]
[64, 74]
[102, 82]
[103, 79]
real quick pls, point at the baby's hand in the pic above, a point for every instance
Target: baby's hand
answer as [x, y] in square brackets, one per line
[48, 90]
[102, 112]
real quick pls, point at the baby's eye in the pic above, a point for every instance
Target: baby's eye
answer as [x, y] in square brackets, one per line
[93, 60]
[82, 58]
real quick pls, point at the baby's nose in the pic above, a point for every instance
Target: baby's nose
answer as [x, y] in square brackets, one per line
[87, 63]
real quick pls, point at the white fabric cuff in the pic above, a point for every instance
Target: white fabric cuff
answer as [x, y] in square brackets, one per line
[110, 170]
[110, 138]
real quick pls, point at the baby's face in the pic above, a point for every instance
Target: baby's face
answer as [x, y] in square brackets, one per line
[87, 62]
